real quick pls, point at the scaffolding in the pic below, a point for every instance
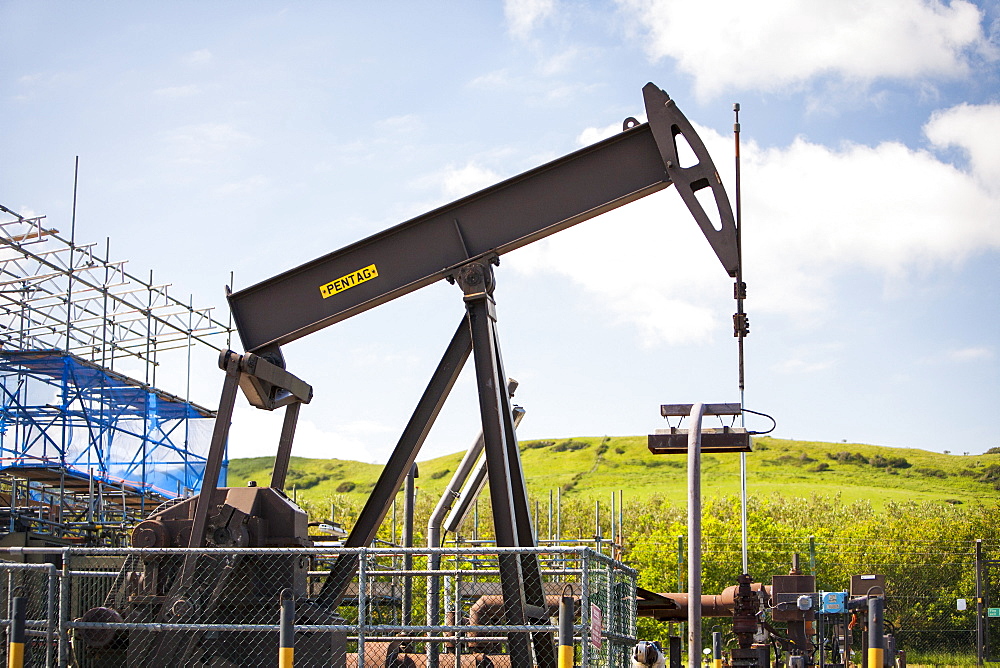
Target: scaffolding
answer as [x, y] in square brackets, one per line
[83, 445]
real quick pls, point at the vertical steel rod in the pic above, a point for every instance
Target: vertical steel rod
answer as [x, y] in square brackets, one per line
[980, 594]
[362, 604]
[694, 536]
[741, 334]
[409, 498]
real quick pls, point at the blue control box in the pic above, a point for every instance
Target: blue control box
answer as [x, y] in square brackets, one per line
[833, 602]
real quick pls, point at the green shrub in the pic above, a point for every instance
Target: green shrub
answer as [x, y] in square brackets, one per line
[880, 462]
[848, 457]
[570, 445]
[345, 487]
[990, 474]
[531, 445]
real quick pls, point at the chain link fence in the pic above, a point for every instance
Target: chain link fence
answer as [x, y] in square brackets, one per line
[220, 608]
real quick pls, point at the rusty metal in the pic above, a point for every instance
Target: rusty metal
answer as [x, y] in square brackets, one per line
[674, 605]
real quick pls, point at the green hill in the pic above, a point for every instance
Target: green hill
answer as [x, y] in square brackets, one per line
[594, 467]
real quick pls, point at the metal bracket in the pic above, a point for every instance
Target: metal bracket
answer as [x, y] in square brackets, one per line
[268, 386]
[476, 278]
[674, 441]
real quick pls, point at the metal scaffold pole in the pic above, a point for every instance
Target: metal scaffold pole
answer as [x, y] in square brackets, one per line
[68, 317]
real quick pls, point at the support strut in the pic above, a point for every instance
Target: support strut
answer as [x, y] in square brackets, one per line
[520, 575]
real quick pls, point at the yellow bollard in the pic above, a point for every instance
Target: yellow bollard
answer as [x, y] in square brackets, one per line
[286, 630]
[716, 649]
[876, 625]
[15, 649]
[565, 659]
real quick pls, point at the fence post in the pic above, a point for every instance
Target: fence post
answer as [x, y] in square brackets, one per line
[286, 630]
[875, 630]
[566, 629]
[50, 613]
[362, 604]
[15, 648]
[585, 607]
[64, 585]
[980, 622]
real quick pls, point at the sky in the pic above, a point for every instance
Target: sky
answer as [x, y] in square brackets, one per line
[248, 138]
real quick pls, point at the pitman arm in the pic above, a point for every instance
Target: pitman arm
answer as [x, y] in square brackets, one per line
[637, 162]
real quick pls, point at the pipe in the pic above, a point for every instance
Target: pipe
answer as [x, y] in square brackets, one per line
[488, 610]
[712, 605]
[409, 499]
[473, 486]
[694, 535]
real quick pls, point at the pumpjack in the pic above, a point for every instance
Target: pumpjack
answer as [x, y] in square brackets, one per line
[460, 242]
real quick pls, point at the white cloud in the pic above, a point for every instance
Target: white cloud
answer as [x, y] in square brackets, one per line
[491, 80]
[254, 433]
[248, 186]
[197, 144]
[972, 128]
[973, 354]
[524, 15]
[647, 263]
[561, 62]
[593, 135]
[199, 57]
[812, 215]
[733, 44]
[407, 124]
[796, 366]
[461, 181]
[176, 92]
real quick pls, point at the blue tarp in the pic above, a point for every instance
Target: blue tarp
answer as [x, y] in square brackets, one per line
[61, 410]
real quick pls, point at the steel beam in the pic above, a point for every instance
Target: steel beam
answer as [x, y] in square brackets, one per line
[493, 403]
[284, 454]
[230, 362]
[637, 162]
[531, 569]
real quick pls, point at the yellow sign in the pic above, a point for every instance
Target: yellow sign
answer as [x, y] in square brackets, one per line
[349, 281]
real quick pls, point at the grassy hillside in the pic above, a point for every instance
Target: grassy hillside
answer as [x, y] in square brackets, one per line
[593, 467]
